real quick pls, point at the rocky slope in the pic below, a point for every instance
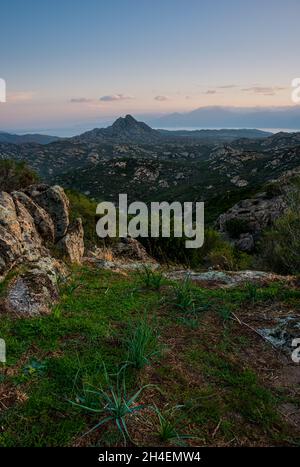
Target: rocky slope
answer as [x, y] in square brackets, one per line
[131, 157]
[34, 224]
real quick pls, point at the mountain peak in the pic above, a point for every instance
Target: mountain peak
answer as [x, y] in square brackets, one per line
[124, 130]
[126, 121]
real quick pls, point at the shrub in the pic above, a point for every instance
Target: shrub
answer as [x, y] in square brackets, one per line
[280, 246]
[84, 207]
[173, 249]
[235, 227]
[273, 189]
[228, 258]
[15, 175]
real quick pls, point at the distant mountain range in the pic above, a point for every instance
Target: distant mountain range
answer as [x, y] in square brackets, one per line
[232, 117]
[129, 130]
[28, 138]
[218, 166]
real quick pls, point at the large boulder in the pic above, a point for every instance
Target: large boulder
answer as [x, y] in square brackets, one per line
[31, 295]
[72, 244]
[30, 239]
[19, 239]
[42, 220]
[32, 224]
[10, 251]
[130, 248]
[55, 202]
[244, 222]
[8, 215]
[34, 292]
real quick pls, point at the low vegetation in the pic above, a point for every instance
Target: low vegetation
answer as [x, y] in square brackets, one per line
[15, 175]
[97, 367]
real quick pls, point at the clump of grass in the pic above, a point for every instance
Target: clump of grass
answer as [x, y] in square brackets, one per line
[188, 300]
[142, 344]
[183, 296]
[166, 430]
[112, 402]
[56, 311]
[151, 279]
[252, 292]
[224, 313]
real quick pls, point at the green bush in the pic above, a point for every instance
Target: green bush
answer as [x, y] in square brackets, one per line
[15, 175]
[280, 246]
[173, 249]
[273, 189]
[235, 227]
[85, 208]
[228, 258]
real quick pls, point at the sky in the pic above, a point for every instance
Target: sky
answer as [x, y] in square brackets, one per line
[73, 63]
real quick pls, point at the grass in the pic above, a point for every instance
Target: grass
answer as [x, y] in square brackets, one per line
[183, 298]
[100, 318]
[112, 402]
[142, 343]
[167, 422]
[151, 279]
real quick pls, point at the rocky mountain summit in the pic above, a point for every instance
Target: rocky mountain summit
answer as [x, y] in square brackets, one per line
[123, 130]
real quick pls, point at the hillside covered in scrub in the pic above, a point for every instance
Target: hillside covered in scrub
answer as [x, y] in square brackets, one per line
[122, 343]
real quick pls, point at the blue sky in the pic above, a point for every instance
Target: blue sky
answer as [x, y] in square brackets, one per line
[69, 61]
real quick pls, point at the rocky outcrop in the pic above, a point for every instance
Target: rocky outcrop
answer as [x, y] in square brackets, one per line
[130, 248]
[55, 202]
[72, 245]
[227, 279]
[42, 219]
[244, 222]
[34, 221]
[34, 291]
[33, 225]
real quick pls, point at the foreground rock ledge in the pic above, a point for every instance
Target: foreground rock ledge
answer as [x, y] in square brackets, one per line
[34, 224]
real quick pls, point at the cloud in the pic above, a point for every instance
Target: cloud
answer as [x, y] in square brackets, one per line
[161, 98]
[210, 91]
[81, 100]
[20, 96]
[264, 90]
[228, 86]
[115, 97]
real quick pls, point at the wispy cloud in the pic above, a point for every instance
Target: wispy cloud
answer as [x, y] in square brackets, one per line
[161, 98]
[210, 91]
[20, 96]
[115, 97]
[228, 86]
[81, 100]
[264, 90]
